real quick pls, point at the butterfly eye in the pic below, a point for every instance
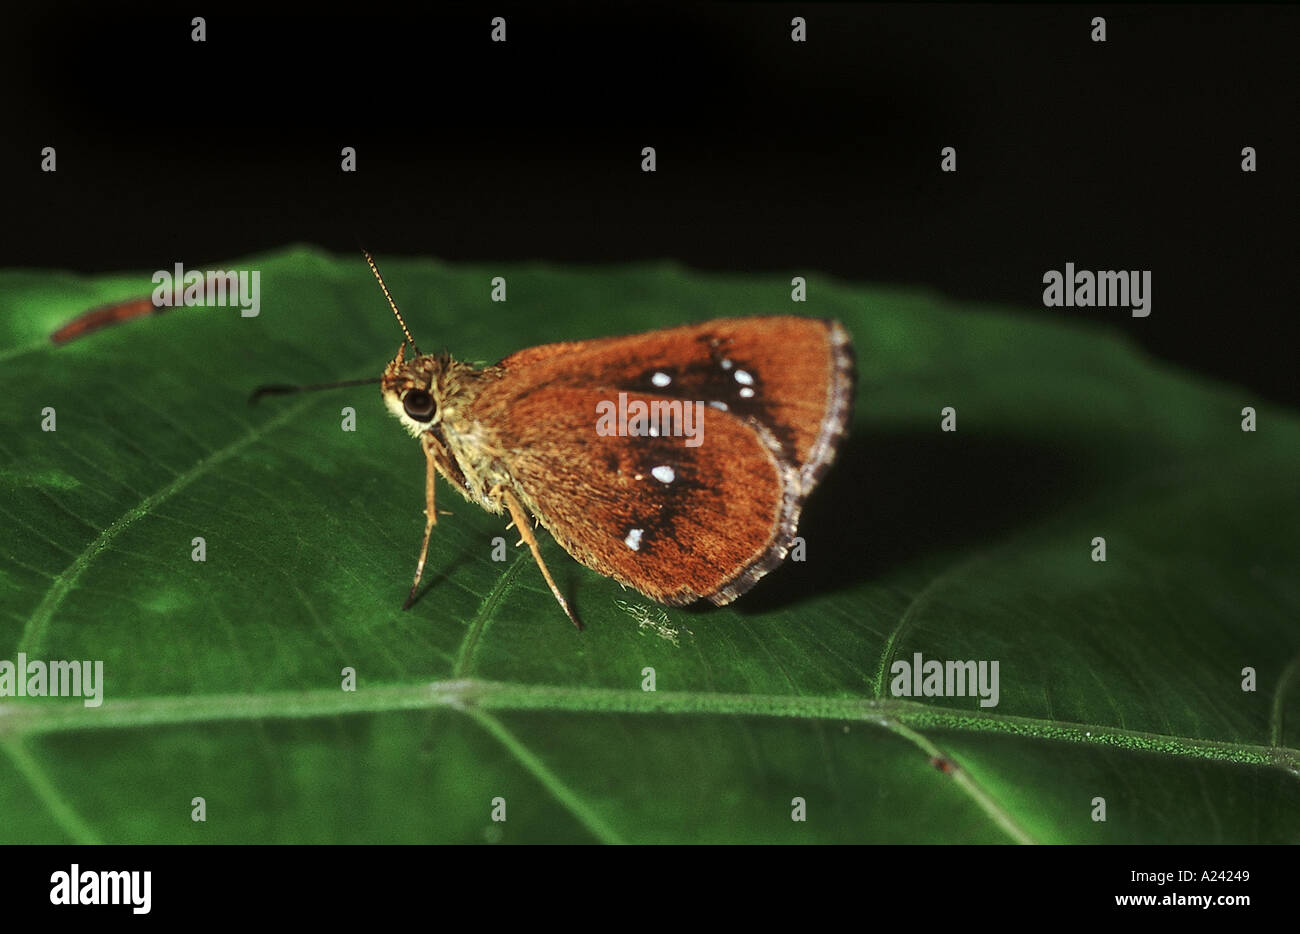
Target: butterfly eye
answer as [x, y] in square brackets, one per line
[419, 405]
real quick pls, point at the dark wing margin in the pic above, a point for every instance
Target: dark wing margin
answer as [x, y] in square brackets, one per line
[799, 483]
[839, 408]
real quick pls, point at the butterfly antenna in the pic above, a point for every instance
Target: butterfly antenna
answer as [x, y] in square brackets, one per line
[391, 304]
[279, 389]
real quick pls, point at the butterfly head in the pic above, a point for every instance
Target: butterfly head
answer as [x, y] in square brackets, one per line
[412, 390]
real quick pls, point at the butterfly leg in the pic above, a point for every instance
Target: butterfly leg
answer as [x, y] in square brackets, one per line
[430, 514]
[520, 520]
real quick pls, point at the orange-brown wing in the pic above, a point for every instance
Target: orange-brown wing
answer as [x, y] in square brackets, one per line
[792, 375]
[674, 521]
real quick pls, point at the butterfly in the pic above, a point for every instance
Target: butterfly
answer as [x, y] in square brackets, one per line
[676, 461]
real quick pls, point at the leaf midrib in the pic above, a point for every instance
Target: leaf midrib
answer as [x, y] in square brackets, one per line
[36, 718]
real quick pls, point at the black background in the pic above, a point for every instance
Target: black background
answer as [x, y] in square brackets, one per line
[772, 155]
[352, 885]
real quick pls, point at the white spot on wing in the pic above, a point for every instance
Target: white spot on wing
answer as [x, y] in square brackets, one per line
[744, 378]
[726, 364]
[746, 392]
[633, 539]
[664, 474]
[721, 406]
[661, 379]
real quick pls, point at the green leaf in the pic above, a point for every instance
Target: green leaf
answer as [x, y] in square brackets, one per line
[1119, 680]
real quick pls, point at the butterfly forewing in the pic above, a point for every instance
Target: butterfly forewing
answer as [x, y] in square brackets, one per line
[794, 375]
